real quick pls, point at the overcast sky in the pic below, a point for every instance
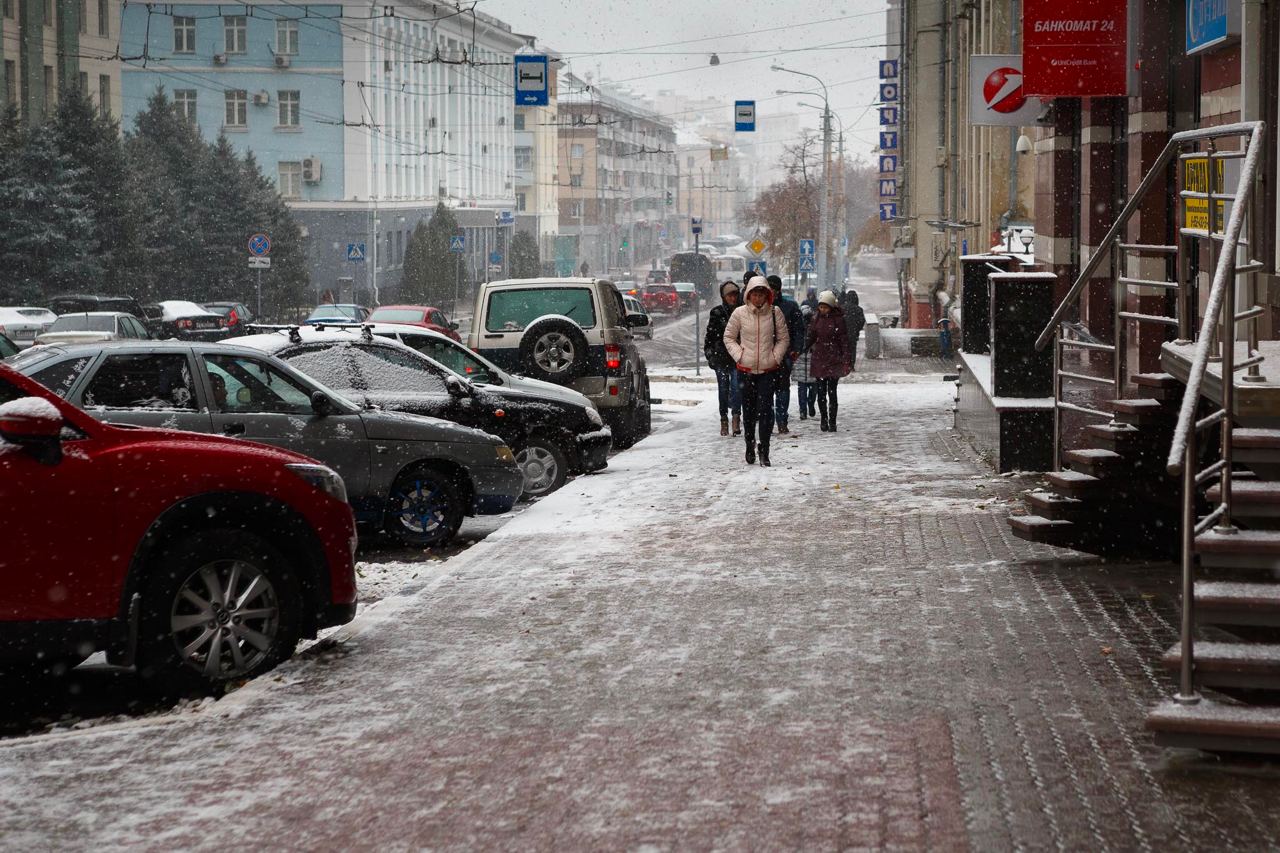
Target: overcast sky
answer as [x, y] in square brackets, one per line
[838, 40]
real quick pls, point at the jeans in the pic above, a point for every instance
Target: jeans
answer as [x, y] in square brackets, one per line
[782, 395]
[808, 396]
[757, 405]
[730, 392]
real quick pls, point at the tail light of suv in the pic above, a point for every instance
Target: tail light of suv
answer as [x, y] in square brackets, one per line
[612, 356]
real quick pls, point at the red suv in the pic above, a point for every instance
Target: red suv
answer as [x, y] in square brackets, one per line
[660, 299]
[201, 559]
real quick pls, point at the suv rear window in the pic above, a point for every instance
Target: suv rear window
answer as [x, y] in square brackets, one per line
[84, 323]
[512, 310]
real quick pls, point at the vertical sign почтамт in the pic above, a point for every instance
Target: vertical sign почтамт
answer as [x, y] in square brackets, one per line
[1075, 48]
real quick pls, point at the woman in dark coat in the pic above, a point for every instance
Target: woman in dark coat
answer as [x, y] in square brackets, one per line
[719, 360]
[855, 320]
[828, 343]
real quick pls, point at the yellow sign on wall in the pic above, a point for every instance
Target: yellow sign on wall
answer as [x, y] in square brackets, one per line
[1195, 178]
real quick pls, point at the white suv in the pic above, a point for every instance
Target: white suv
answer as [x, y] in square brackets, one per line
[571, 331]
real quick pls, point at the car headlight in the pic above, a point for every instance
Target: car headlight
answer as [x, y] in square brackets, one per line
[323, 478]
[504, 453]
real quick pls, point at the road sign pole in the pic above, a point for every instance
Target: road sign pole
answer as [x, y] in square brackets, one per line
[457, 286]
[697, 333]
[259, 314]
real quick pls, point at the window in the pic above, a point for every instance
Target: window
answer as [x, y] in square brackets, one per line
[10, 82]
[49, 89]
[83, 10]
[453, 356]
[8, 8]
[286, 37]
[234, 33]
[520, 201]
[59, 377]
[184, 35]
[290, 179]
[512, 310]
[387, 368]
[289, 108]
[104, 94]
[576, 151]
[519, 125]
[48, 13]
[524, 157]
[237, 108]
[147, 381]
[184, 100]
[575, 180]
[245, 384]
[576, 209]
[104, 18]
[83, 80]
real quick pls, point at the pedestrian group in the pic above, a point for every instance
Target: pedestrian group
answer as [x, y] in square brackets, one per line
[758, 340]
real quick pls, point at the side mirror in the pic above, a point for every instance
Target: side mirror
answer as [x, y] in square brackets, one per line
[453, 324]
[321, 404]
[35, 425]
[637, 321]
[457, 387]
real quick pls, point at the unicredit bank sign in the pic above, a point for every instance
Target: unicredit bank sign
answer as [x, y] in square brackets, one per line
[1075, 48]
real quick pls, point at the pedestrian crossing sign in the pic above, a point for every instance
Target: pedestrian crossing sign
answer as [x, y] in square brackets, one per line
[355, 252]
[758, 266]
[808, 264]
[457, 243]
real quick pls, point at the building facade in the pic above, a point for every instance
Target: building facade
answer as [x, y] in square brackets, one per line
[368, 117]
[47, 46]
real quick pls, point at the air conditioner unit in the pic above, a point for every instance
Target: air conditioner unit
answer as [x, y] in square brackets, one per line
[282, 61]
[311, 170]
[219, 59]
[261, 99]
[386, 66]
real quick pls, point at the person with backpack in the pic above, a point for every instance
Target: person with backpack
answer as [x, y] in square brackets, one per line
[806, 388]
[795, 323]
[719, 360]
[855, 320]
[828, 343]
[758, 340]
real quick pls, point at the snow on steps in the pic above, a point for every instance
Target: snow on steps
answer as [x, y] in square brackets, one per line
[1216, 726]
[1237, 603]
[1252, 665]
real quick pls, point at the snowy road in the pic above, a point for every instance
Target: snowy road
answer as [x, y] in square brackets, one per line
[848, 649]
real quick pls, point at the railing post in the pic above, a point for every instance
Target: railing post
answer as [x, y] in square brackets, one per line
[1118, 337]
[1186, 672]
[1057, 399]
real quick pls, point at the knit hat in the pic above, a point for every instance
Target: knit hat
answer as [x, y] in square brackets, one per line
[729, 286]
[826, 297]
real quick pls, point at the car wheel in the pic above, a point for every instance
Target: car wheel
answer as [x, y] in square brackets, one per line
[221, 606]
[553, 350]
[423, 509]
[544, 466]
[624, 429]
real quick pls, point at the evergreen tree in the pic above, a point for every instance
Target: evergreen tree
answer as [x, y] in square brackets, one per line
[413, 281]
[432, 278]
[525, 260]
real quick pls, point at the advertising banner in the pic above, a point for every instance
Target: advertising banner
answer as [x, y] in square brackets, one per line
[1211, 23]
[996, 93]
[1075, 48]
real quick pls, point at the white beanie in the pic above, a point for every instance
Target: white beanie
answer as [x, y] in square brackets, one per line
[826, 297]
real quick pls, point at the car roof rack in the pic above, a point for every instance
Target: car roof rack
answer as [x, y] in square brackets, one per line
[295, 336]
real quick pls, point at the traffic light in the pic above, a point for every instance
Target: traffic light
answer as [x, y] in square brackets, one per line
[670, 198]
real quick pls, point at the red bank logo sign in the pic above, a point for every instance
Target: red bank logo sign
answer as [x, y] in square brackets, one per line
[1075, 48]
[997, 96]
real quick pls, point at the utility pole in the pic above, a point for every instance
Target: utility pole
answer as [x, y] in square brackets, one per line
[842, 219]
[824, 242]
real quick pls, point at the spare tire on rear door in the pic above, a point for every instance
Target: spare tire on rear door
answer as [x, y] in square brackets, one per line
[553, 349]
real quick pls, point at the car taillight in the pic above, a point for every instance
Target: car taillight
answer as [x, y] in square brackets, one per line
[612, 356]
[232, 318]
[184, 324]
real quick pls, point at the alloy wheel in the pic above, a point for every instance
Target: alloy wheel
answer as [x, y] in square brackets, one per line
[540, 469]
[225, 618]
[423, 507]
[553, 352]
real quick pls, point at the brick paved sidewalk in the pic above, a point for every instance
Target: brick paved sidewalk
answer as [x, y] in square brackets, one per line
[628, 664]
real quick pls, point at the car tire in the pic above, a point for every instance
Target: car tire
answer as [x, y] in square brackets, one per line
[625, 431]
[423, 508]
[553, 350]
[544, 465]
[225, 592]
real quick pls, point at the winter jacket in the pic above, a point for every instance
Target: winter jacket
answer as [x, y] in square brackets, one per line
[828, 343]
[802, 371]
[713, 347]
[757, 338]
[795, 322]
[854, 316]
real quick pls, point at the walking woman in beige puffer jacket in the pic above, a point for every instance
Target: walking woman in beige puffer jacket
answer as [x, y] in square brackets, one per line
[757, 339]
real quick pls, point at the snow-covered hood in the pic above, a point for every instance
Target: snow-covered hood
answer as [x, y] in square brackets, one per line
[398, 426]
[539, 388]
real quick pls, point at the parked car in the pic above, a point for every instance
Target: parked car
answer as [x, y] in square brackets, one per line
[185, 321]
[7, 347]
[415, 315]
[200, 579]
[573, 332]
[551, 436]
[658, 276]
[413, 477]
[236, 315]
[687, 293]
[22, 325]
[340, 313]
[94, 326]
[635, 309]
[660, 299]
[81, 303]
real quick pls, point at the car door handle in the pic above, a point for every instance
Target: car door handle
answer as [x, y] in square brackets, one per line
[381, 448]
[233, 429]
[493, 336]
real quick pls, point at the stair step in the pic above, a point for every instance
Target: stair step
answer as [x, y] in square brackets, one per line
[1117, 436]
[1096, 462]
[1255, 439]
[1057, 507]
[1073, 482]
[1249, 498]
[1035, 528]
[1248, 665]
[1237, 603]
[1156, 380]
[1243, 549]
[1216, 727]
[1141, 411]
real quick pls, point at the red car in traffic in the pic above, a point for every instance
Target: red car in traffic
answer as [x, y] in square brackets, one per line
[202, 559]
[660, 299]
[416, 315]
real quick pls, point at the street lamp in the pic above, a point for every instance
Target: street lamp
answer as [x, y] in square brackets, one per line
[823, 201]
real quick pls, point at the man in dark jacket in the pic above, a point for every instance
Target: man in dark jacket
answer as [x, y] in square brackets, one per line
[795, 325]
[719, 360]
[855, 319]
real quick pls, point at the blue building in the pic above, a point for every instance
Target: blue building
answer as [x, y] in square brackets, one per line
[367, 116]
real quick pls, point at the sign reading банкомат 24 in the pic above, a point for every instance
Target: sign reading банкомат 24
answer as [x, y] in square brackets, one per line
[1211, 23]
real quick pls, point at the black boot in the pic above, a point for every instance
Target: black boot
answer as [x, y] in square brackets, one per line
[751, 452]
[831, 423]
[764, 456]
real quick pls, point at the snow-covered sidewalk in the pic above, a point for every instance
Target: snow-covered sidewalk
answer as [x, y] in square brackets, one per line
[847, 649]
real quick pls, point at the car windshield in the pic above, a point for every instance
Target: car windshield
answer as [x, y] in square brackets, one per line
[397, 315]
[513, 310]
[175, 309]
[224, 310]
[84, 323]
[41, 313]
[345, 312]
